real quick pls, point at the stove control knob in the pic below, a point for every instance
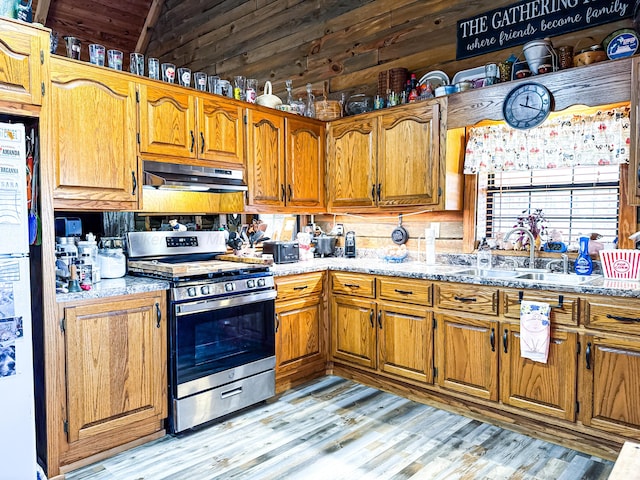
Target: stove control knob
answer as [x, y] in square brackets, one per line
[251, 283]
[261, 282]
[229, 287]
[205, 290]
[192, 292]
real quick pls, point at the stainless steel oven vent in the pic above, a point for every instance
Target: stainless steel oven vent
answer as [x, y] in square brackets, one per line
[192, 178]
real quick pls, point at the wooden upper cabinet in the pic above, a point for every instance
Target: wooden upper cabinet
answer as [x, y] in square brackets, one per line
[220, 131]
[93, 141]
[265, 158]
[408, 156]
[386, 158]
[167, 122]
[23, 49]
[351, 162]
[304, 167]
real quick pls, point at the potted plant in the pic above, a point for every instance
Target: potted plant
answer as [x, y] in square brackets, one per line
[535, 222]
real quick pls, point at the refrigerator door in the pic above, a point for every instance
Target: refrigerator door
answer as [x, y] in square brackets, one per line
[14, 224]
[17, 421]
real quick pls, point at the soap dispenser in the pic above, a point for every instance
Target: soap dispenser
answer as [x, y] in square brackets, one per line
[583, 264]
[484, 255]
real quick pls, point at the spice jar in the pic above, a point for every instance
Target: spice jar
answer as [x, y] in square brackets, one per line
[565, 57]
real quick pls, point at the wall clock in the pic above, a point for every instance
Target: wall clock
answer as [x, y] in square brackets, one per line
[527, 105]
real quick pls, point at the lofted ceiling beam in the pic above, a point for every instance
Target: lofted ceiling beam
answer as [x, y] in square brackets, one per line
[145, 35]
[42, 11]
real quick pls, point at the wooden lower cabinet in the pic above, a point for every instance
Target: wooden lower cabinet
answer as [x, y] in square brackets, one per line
[611, 374]
[301, 333]
[116, 372]
[353, 331]
[546, 388]
[468, 355]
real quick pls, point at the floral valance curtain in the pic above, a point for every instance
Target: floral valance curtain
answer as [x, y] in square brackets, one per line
[601, 138]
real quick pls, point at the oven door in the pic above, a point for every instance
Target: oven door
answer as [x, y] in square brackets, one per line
[218, 341]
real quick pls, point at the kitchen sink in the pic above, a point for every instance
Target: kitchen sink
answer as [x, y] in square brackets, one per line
[489, 273]
[558, 278]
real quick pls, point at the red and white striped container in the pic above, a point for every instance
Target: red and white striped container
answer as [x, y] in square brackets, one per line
[621, 264]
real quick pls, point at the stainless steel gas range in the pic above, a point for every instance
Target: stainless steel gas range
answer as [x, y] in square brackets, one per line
[221, 324]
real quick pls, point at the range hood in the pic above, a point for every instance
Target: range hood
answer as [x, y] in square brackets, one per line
[174, 176]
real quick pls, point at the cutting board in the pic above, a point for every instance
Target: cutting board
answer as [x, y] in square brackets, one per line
[236, 258]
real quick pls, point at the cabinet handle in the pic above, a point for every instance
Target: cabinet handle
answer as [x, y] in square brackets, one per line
[373, 192]
[505, 336]
[404, 292]
[351, 285]
[492, 339]
[559, 305]
[277, 322]
[301, 287]
[587, 356]
[623, 319]
[378, 191]
[371, 318]
[135, 182]
[464, 299]
[290, 192]
[283, 193]
[201, 143]
[380, 319]
[158, 315]
[193, 141]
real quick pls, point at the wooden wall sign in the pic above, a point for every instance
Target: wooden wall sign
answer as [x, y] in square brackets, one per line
[534, 19]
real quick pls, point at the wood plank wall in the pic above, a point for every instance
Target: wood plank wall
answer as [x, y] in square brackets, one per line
[345, 44]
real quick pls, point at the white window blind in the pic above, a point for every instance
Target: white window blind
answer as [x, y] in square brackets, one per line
[576, 201]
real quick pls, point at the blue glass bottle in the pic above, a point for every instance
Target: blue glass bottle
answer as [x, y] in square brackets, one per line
[583, 264]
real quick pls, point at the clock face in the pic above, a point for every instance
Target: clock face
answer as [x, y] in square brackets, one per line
[527, 105]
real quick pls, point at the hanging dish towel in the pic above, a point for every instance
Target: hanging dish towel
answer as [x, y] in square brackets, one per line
[535, 330]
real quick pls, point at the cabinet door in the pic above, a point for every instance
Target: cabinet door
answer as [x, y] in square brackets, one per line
[22, 52]
[633, 196]
[353, 332]
[305, 164]
[409, 156]
[115, 365]
[546, 388]
[265, 158]
[351, 163]
[92, 128]
[220, 131]
[299, 338]
[611, 391]
[167, 121]
[405, 341]
[468, 355]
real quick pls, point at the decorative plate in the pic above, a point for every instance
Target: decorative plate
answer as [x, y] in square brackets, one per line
[437, 78]
[621, 43]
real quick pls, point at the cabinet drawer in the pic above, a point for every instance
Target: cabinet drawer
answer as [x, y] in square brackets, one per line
[360, 285]
[296, 286]
[466, 298]
[564, 308]
[405, 290]
[607, 314]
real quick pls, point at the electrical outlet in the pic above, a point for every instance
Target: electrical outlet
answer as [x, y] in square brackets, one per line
[339, 229]
[435, 226]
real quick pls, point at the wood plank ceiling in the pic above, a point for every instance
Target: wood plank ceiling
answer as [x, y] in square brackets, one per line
[334, 44]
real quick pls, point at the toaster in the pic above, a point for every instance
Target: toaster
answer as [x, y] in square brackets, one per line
[283, 252]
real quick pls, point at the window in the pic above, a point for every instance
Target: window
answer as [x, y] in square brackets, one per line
[576, 201]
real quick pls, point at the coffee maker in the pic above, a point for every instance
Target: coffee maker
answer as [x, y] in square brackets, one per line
[350, 244]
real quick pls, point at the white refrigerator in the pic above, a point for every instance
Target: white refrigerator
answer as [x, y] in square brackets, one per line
[17, 423]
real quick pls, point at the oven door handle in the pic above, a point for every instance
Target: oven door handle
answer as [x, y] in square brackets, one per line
[220, 303]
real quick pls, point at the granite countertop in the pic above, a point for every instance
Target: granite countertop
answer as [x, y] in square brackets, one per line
[126, 285]
[447, 273]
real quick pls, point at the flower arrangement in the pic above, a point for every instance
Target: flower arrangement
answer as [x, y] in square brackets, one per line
[534, 221]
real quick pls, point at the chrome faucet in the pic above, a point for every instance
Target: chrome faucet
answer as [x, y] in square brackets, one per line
[532, 243]
[564, 259]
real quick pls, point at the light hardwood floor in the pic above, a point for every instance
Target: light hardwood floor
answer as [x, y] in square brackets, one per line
[337, 429]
